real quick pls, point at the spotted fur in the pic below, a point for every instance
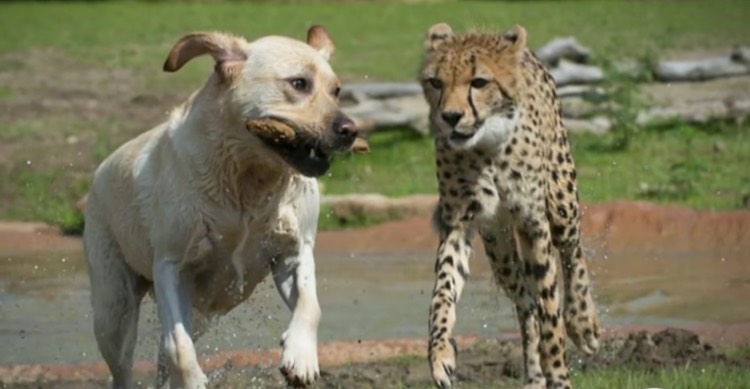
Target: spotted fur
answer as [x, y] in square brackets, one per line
[505, 171]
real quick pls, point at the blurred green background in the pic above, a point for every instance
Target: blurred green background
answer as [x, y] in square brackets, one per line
[78, 79]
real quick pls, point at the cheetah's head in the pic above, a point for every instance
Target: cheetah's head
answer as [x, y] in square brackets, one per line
[471, 82]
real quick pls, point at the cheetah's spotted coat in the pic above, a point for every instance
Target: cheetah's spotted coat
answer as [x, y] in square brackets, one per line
[505, 171]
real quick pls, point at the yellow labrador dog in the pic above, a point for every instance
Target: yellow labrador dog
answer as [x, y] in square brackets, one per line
[199, 210]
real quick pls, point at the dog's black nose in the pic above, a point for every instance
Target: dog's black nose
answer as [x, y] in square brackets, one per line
[452, 117]
[345, 127]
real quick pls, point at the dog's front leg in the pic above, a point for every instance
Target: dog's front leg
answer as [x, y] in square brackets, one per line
[174, 308]
[295, 279]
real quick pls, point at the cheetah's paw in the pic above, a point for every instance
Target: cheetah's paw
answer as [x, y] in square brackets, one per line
[443, 363]
[582, 326]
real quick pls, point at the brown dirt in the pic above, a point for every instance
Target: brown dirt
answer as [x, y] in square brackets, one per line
[51, 84]
[616, 225]
[395, 364]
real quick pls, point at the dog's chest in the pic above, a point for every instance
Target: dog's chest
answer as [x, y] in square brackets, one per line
[242, 257]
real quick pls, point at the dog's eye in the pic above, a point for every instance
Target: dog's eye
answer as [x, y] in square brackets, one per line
[479, 83]
[299, 84]
[435, 83]
[337, 91]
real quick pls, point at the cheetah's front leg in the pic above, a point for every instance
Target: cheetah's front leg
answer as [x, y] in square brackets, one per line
[508, 269]
[581, 317]
[451, 273]
[563, 212]
[541, 273]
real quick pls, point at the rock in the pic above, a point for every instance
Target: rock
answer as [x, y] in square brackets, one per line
[567, 73]
[378, 207]
[568, 48]
[703, 69]
[596, 125]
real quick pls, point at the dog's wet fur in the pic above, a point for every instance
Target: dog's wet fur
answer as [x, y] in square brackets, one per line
[199, 210]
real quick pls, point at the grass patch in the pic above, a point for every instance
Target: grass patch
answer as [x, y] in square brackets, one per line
[48, 197]
[401, 163]
[685, 377]
[6, 92]
[374, 40]
[703, 167]
[739, 352]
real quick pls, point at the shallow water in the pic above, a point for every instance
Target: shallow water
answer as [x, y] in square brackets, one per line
[45, 311]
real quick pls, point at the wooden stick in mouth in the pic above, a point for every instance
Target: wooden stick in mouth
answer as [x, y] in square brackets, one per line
[360, 146]
[271, 129]
[277, 131]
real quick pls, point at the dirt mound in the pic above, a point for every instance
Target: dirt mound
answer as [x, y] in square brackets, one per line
[495, 363]
[652, 351]
[666, 348]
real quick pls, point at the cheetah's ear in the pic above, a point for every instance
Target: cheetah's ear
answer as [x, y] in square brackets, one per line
[516, 36]
[436, 35]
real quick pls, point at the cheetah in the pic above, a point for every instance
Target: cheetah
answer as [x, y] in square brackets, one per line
[505, 172]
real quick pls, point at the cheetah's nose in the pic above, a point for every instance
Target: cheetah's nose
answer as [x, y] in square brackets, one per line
[452, 117]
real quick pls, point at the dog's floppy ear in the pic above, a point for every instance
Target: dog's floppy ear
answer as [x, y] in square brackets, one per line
[436, 35]
[225, 49]
[318, 38]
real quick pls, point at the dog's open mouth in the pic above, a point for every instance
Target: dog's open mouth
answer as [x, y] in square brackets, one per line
[305, 155]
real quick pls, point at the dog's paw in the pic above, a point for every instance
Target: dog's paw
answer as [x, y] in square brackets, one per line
[443, 363]
[299, 360]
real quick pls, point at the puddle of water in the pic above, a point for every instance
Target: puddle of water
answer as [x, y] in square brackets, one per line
[648, 301]
[45, 310]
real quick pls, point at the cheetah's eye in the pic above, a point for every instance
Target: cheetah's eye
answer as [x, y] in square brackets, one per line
[479, 83]
[435, 83]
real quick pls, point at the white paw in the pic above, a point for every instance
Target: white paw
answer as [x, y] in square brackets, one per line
[197, 381]
[189, 380]
[299, 360]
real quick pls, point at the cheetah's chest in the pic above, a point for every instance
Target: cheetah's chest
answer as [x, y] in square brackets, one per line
[470, 188]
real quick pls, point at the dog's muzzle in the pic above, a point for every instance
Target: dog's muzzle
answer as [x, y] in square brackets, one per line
[309, 156]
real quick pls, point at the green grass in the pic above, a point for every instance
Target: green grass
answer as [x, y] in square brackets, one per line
[685, 377]
[678, 161]
[740, 351]
[6, 93]
[49, 196]
[401, 163]
[374, 40]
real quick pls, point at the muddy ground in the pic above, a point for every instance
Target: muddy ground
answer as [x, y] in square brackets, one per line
[705, 278]
[487, 363]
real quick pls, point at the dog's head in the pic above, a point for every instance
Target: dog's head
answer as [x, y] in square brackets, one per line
[277, 78]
